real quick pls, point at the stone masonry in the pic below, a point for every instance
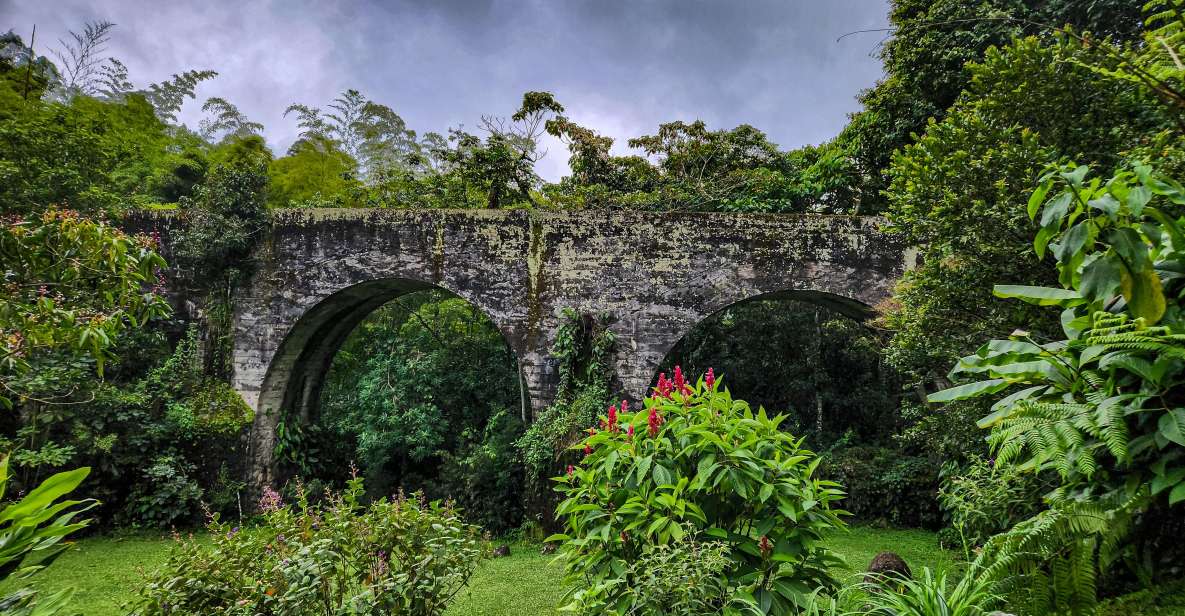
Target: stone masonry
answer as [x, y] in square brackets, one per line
[656, 275]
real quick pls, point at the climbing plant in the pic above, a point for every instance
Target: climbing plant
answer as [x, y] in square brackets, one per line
[583, 350]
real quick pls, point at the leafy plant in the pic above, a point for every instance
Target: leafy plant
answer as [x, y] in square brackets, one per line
[32, 530]
[984, 499]
[931, 594]
[49, 310]
[1101, 408]
[583, 349]
[695, 461]
[167, 494]
[394, 557]
[683, 578]
[884, 485]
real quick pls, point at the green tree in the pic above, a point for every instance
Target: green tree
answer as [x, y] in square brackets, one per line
[315, 171]
[51, 313]
[925, 59]
[958, 193]
[425, 395]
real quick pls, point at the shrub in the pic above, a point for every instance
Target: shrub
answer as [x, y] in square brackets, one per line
[697, 463]
[400, 556]
[985, 499]
[484, 475]
[167, 494]
[886, 486]
[683, 578]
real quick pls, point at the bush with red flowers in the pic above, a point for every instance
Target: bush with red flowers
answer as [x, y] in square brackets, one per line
[694, 463]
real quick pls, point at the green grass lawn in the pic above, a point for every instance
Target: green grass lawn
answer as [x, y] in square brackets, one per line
[107, 571]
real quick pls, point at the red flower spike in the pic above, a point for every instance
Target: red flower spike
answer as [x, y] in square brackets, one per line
[765, 546]
[710, 379]
[612, 419]
[570, 470]
[629, 431]
[653, 421]
[587, 450]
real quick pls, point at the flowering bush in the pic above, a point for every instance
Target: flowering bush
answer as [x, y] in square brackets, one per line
[696, 462]
[400, 556]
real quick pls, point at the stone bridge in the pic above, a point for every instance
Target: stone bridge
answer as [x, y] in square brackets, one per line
[656, 275]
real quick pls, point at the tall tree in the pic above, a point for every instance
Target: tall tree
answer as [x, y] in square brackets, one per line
[931, 43]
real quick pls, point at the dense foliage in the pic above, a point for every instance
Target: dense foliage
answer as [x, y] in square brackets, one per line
[403, 556]
[1076, 493]
[424, 395]
[695, 463]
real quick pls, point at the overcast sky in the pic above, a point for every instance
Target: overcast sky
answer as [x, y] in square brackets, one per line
[618, 67]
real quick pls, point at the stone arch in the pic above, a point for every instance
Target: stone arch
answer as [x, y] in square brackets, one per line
[636, 379]
[295, 373]
[851, 307]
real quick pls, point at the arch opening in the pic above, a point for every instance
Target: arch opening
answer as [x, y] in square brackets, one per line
[411, 383]
[810, 355]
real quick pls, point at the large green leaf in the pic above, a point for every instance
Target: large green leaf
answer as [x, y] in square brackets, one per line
[970, 390]
[45, 494]
[1102, 278]
[1147, 296]
[1172, 426]
[1041, 296]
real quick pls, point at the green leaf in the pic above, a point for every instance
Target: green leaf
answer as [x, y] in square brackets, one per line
[1177, 494]
[1004, 406]
[1076, 176]
[1130, 247]
[970, 390]
[1106, 204]
[1038, 197]
[1102, 278]
[1072, 241]
[1147, 296]
[1056, 210]
[1041, 296]
[1137, 198]
[1172, 426]
[50, 490]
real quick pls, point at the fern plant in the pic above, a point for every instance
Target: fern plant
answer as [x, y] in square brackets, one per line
[1103, 408]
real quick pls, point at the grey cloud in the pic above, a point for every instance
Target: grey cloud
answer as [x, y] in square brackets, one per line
[620, 67]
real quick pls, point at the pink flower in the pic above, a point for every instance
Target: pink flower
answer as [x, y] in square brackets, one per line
[710, 379]
[270, 500]
[654, 420]
[570, 470]
[664, 386]
[629, 431]
[680, 382]
[612, 424]
[587, 450]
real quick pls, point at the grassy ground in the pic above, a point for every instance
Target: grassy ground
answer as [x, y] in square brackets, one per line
[107, 571]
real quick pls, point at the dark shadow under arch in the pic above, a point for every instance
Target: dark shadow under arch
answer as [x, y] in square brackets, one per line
[778, 334]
